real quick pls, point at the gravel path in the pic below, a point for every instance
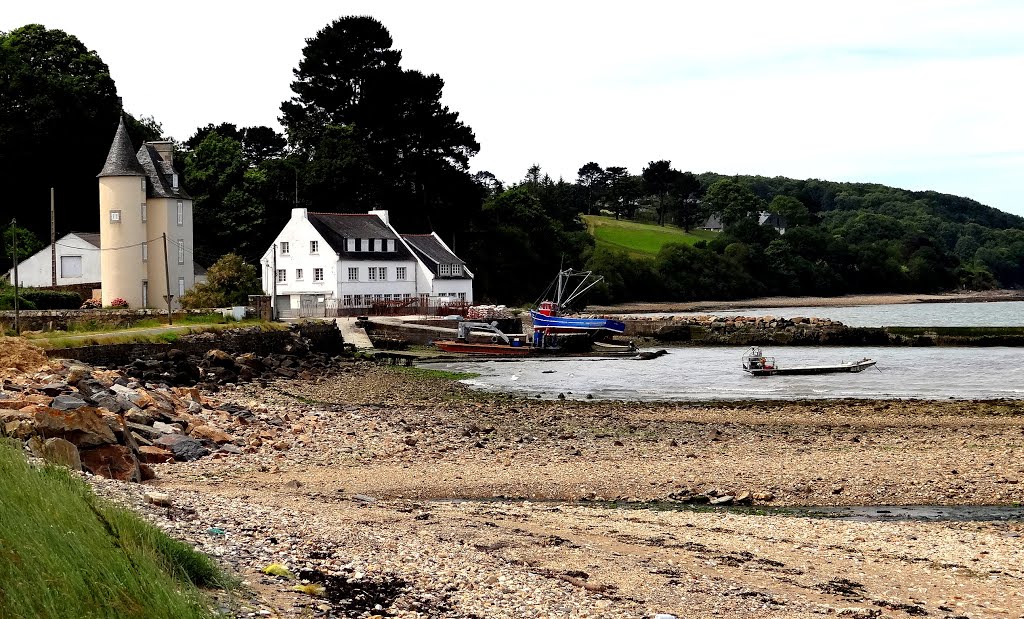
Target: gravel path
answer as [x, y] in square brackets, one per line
[348, 479]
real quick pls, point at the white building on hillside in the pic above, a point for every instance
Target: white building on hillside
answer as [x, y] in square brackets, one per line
[353, 260]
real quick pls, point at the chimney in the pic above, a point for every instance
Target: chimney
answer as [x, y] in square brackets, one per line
[299, 213]
[165, 148]
[383, 214]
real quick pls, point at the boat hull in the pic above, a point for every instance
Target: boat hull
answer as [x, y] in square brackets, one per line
[848, 368]
[503, 350]
[570, 324]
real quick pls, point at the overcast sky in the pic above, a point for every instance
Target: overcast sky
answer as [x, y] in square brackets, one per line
[917, 94]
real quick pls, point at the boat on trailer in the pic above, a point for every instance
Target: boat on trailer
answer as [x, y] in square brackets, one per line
[756, 363]
[500, 345]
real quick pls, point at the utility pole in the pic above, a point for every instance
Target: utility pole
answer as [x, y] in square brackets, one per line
[167, 280]
[273, 286]
[53, 243]
[14, 256]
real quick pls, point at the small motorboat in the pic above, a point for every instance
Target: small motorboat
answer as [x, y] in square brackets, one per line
[756, 364]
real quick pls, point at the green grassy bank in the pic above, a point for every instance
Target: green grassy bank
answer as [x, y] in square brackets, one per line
[64, 553]
[640, 239]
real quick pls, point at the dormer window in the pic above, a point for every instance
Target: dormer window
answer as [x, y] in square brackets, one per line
[456, 269]
[444, 269]
[174, 180]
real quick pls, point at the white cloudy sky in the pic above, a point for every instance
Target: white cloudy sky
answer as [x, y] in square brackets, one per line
[922, 94]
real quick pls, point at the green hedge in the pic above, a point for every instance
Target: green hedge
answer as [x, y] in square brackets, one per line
[7, 302]
[53, 299]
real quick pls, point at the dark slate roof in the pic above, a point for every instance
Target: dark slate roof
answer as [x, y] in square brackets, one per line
[121, 159]
[336, 227]
[160, 174]
[92, 238]
[198, 269]
[432, 252]
[774, 220]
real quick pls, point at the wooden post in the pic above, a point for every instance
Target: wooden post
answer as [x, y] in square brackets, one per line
[14, 256]
[53, 243]
[167, 280]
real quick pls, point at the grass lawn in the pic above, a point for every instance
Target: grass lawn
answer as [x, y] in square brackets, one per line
[64, 552]
[140, 333]
[640, 239]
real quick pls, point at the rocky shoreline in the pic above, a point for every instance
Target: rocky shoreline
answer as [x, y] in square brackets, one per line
[404, 494]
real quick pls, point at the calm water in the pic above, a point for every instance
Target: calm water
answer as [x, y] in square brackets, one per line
[715, 374]
[994, 314]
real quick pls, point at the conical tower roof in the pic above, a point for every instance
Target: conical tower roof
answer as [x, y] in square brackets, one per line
[121, 160]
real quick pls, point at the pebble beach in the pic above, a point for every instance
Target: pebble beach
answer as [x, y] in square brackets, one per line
[405, 494]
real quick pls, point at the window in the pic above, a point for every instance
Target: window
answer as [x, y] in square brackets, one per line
[383, 272]
[70, 266]
[145, 252]
[318, 275]
[387, 297]
[391, 244]
[346, 300]
[350, 244]
[145, 293]
[357, 300]
[143, 211]
[284, 248]
[298, 274]
[282, 276]
[174, 185]
[444, 269]
[462, 296]
[378, 244]
[314, 247]
[406, 296]
[400, 273]
[115, 217]
[371, 273]
[181, 286]
[181, 207]
[143, 179]
[378, 297]
[456, 269]
[181, 251]
[353, 274]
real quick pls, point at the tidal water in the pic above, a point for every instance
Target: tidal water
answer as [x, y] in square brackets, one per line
[693, 374]
[994, 314]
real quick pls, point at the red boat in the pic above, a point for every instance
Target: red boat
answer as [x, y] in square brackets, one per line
[482, 349]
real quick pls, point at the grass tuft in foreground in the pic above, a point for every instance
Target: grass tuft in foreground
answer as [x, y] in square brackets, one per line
[64, 552]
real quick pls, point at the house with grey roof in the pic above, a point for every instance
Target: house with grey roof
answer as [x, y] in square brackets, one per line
[77, 261]
[354, 260]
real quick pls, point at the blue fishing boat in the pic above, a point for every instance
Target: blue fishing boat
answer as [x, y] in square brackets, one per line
[548, 318]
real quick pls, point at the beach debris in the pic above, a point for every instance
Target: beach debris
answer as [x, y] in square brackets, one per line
[276, 569]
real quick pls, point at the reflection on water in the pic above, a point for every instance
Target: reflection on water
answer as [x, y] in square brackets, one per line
[994, 314]
[714, 374]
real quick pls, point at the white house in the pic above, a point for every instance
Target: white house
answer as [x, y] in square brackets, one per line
[353, 260]
[441, 272]
[78, 263]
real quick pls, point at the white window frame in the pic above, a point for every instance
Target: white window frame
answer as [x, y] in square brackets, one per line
[144, 213]
[282, 276]
[401, 273]
[181, 287]
[383, 272]
[181, 210]
[378, 245]
[115, 216]
[371, 274]
[444, 269]
[314, 247]
[391, 245]
[353, 274]
[318, 274]
[350, 244]
[143, 179]
[298, 275]
[456, 269]
[285, 247]
[346, 300]
[181, 251]
[174, 182]
[145, 252]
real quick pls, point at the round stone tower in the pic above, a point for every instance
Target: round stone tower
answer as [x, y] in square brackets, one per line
[122, 225]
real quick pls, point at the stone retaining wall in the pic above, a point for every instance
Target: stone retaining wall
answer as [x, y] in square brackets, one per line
[750, 331]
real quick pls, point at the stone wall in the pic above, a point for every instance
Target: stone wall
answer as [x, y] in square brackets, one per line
[61, 320]
[324, 337]
[750, 331]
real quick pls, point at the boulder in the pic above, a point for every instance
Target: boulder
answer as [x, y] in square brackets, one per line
[151, 454]
[84, 427]
[77, 374]
[212, 434]
[219, 358]
[159, 499]
[147, 471]
[67, 402]
[183, 447]
[165, 428]
[61, 452]
[113, 462]
[54, 389]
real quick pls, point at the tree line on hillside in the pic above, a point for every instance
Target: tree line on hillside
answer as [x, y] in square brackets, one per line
[363, 132]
